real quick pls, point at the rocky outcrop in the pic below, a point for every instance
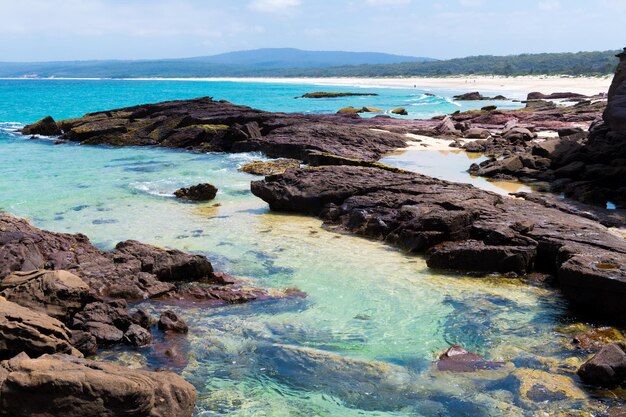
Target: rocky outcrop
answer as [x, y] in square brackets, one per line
[461, 227]
[206, 125]
[25, 330]
[199, 192]
[475, 96]
[60, 385]
[585, 166]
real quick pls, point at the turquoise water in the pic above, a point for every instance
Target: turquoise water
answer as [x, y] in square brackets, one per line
[361, 344]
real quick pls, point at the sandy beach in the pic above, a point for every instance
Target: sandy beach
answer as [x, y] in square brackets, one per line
[519, 86]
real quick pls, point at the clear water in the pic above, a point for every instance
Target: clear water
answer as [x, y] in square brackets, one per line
[361, 344]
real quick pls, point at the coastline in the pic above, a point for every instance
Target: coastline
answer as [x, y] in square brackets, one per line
[520, 85]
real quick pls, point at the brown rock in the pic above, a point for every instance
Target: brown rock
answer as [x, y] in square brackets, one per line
[137, 336]
[172, 322]
[25, 330]
[59, 385]
[46, 127]
[58, 294]
[277, 166]
[607, 368]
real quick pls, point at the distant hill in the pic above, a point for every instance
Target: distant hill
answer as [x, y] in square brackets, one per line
[297, 58]
[298, 63]
[579, 63]
[231, 64]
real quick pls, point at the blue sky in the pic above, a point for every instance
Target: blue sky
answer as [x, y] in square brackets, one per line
[33, 30]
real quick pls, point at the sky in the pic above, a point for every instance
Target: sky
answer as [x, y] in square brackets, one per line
[45, 30]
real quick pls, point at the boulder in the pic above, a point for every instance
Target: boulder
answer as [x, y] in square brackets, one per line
[348, 110]
[85, 342]
[167, 264]
[25, 330]
[137, 336]
[200, 192]
[172, 322]
[607, 368]
[59, 385]
[519, 134]
[58, 294]
[142, 318]
[45, 127]
[489, 108]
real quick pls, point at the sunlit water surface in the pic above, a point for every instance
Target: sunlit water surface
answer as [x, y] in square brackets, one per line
[378, 316]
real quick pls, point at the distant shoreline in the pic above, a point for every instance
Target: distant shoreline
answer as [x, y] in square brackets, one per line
[519, 85]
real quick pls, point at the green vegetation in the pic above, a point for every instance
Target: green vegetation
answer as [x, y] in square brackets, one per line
[580, 63]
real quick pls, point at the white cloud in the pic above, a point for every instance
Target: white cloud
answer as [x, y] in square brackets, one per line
[274, 6]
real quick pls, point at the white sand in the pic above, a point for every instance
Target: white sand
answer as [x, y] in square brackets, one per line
[517, 85]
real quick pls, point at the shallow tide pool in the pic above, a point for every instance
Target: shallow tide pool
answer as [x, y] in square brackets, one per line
[363, 341]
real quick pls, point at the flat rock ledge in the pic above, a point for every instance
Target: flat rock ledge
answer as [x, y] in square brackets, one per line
[463, 228]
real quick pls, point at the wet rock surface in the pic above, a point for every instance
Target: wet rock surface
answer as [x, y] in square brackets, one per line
[60, 385]
[199, 192]
[461, 227]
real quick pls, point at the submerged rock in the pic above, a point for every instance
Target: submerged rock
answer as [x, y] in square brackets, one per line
[59, 385]
[200, 192]
[457, 359]
[368, 385]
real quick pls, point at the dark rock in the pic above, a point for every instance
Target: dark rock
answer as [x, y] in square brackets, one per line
[172, 322]
[46, 127]
[607, 368]
[59, 385]
[475, 95]
[554, 96]
[447, 127]
[85, 342]
[58, 294]
[25, 330]
[167, 264]
[142, 318]
[137, 336]
[200, 192]
[489, 108]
